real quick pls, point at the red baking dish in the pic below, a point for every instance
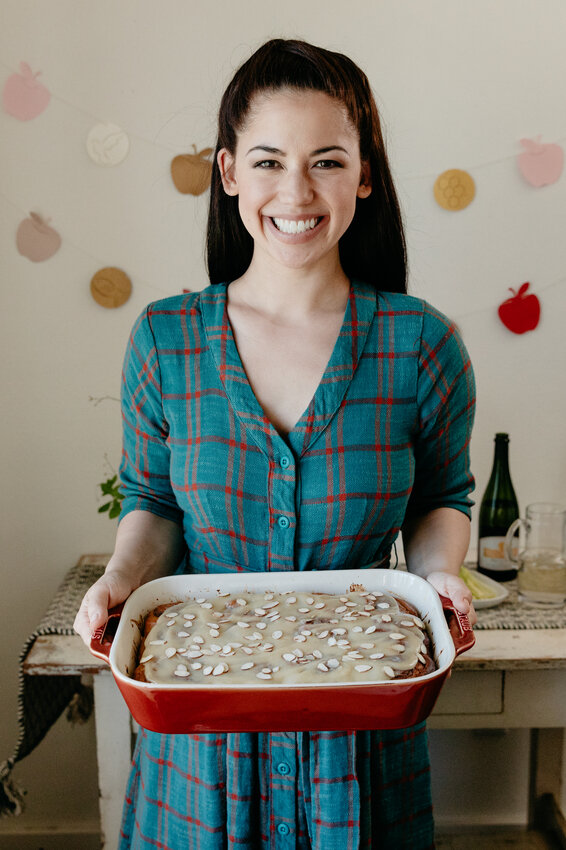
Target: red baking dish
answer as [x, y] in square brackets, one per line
[184, 708]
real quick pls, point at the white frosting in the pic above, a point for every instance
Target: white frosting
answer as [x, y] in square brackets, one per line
[284, 638]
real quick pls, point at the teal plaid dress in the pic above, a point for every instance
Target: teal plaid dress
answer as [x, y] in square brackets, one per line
[386, 433]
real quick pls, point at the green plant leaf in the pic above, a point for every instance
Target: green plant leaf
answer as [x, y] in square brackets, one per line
[111, 488]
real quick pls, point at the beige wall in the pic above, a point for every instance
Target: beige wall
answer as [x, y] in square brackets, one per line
[459, 83]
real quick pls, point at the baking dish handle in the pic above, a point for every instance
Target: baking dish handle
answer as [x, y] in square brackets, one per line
[459, 626]
[101, 640]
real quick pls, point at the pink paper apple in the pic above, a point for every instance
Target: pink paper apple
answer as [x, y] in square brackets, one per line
[24, 96]
[540, 164]
[521, 312]
[36, 240]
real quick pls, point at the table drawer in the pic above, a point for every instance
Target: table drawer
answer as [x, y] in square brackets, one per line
[474, 692]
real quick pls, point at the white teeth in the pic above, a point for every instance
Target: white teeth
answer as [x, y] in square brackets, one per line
[286, 225]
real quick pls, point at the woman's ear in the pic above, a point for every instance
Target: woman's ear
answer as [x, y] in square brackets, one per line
[364, 189]
[225, 162]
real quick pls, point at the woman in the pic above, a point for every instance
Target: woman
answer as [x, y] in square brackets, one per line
[296, 418]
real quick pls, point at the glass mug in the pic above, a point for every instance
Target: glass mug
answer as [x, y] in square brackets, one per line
[541, 560]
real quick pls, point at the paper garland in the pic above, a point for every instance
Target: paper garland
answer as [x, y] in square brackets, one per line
[24, 98]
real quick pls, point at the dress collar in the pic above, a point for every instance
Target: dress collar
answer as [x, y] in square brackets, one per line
[329, 394]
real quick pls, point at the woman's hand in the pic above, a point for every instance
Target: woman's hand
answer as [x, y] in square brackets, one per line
[435, 546]
[147, 547]
[110, 589]
[456, 590]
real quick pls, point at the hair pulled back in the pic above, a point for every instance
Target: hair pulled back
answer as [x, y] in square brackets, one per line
[373, 248]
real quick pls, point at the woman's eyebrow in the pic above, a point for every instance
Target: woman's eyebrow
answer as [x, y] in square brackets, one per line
[317, 152]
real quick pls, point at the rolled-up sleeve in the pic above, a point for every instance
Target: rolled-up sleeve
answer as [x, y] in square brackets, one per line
[446, 401]
[145, 464]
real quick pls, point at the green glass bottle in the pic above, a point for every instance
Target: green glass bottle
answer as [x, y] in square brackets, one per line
[498, 509]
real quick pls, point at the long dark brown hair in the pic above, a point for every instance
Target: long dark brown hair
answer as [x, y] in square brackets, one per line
[373, 248]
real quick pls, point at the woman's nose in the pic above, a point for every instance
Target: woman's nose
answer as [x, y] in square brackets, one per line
[296, 187]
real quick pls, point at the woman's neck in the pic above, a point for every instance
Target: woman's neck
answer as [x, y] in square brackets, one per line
[298, 292]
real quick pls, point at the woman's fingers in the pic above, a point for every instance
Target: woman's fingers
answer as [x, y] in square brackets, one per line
[107, 592]
[456, 590]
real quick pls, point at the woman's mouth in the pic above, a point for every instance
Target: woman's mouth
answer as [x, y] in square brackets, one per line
[293, 226]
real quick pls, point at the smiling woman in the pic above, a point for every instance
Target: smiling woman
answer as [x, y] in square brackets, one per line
[295, 415]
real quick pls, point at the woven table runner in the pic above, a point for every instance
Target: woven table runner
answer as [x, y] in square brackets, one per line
[513, 613]
[42, 699]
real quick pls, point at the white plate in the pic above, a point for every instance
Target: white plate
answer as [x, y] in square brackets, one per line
[500, 590]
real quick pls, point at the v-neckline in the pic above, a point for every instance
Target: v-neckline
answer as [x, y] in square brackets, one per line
[327, 396]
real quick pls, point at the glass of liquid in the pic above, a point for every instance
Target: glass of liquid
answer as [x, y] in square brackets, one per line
[541, 560]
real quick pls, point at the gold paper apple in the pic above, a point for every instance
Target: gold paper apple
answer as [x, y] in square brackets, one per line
[36, 240]
[191, 172]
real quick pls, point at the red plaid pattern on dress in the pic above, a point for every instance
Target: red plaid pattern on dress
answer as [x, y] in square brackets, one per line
[386, 433]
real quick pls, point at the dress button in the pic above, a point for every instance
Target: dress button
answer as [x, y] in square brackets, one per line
[284, 462]
[283, 522]
[283, 768]
[283, 829]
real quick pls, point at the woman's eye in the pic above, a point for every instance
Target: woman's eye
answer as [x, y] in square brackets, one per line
[266, 163]
[328, 163]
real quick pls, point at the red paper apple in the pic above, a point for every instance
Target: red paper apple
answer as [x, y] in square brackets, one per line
[521, 312]
[540, 164]
[24, 96]
[36, 240]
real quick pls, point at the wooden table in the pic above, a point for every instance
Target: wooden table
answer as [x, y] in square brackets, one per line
[509, 679]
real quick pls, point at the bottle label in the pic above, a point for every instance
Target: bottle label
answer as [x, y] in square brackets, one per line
[492, 554]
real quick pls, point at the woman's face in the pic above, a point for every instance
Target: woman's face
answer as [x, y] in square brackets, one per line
[297, 173]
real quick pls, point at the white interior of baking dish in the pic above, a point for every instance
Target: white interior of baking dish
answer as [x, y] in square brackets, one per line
[413, 589]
